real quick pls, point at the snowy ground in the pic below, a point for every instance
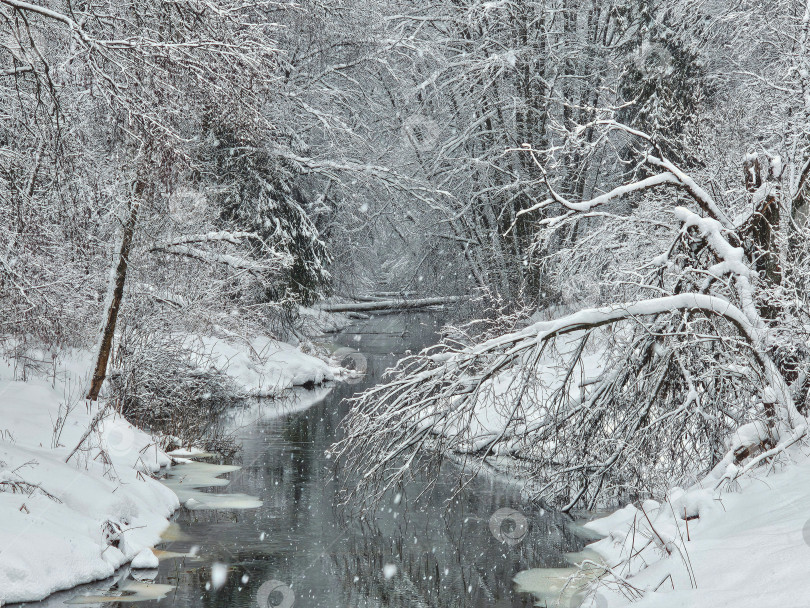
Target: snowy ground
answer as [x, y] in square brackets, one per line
[747, 545]
[66, 523]
[103, 508]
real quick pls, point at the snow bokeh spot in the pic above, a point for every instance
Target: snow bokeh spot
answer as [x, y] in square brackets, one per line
[276, 594]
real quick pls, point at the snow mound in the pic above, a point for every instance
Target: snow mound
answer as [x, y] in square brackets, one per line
[145, 559]
[740, 546]
[263, 367]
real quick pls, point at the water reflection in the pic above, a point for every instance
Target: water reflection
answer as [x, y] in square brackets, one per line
[127, 591]
[442, 557]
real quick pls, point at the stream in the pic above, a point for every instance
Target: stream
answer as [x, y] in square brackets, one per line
[298, 549]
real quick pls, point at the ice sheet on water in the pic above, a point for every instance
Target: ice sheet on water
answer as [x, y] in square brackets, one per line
[188, 479]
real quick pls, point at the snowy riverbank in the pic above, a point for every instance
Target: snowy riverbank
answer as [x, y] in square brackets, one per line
[756, 529]
[742, 545]
[65, 523]
[70, 516]
[263, 367]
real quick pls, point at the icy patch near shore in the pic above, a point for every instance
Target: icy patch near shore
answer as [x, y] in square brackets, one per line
[128, 592]
[187, 480]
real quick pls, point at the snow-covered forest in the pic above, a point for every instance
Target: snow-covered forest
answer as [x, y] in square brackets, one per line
[210, 208]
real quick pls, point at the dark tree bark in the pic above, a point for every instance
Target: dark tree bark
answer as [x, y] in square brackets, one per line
[762, 231]
[108, 332]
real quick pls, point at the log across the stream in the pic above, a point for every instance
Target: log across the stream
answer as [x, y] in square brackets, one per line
[399, 304]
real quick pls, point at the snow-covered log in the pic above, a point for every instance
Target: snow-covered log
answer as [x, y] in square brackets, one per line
[403, 304]
[228, 236]
[209, 257]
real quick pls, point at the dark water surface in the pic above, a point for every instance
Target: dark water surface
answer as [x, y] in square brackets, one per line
[442, 556]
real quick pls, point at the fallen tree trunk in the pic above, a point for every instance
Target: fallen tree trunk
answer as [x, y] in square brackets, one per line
[393, 294]
[388, 304]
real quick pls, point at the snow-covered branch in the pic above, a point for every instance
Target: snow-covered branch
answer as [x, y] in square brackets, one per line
[235, 262]
[508, 397]
[232, 237]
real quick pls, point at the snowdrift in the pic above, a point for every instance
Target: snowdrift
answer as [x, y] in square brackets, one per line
[263, 367]
[744, 544]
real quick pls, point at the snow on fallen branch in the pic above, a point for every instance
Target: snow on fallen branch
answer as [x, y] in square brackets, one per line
[235, 262]
[596, 317]
[490, 400]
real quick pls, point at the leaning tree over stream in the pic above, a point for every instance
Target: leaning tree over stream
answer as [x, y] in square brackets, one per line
[702, 333]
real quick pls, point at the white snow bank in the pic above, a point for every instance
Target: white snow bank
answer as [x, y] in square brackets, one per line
[264, 367]
[103, 510]
[747, 545]
[617, 519]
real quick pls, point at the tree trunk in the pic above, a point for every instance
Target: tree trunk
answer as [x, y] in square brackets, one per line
[762, 231]
[108, 332]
